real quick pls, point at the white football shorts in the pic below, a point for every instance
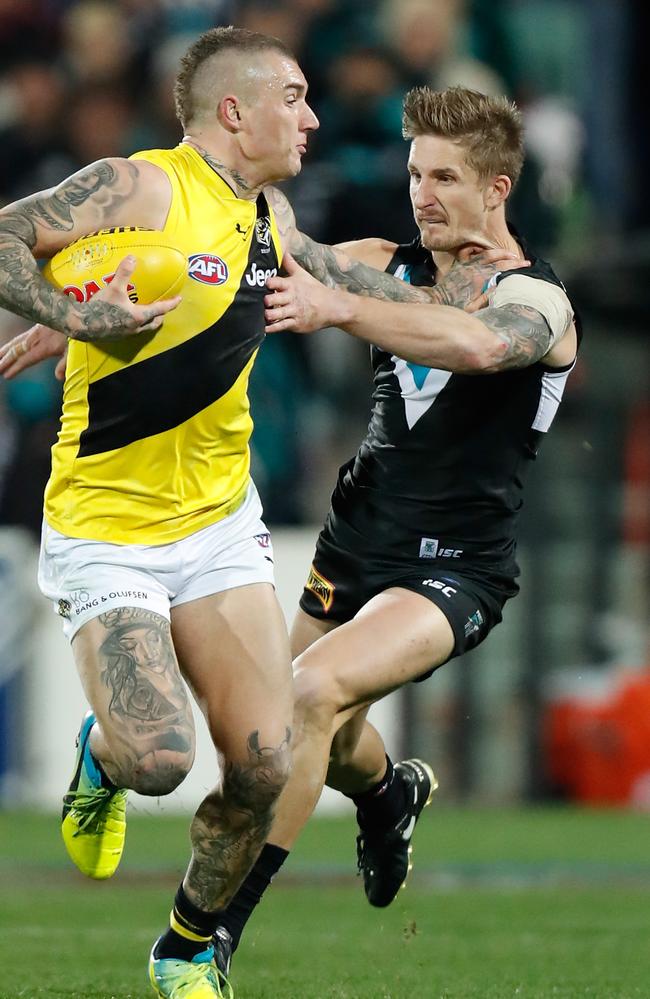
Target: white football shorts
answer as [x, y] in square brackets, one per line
[87, 578]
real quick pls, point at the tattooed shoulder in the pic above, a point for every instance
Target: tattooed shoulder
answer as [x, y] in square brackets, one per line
[284, 214]
[525, 334]
[106, 183]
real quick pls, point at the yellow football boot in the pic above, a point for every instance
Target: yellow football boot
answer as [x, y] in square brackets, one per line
[94, 816]
[196, 979]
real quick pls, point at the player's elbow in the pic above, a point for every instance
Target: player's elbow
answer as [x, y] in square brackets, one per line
[466, 359]
[469, 348]
[481, 355]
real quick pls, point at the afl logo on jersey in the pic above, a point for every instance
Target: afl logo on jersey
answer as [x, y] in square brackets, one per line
[208, 269]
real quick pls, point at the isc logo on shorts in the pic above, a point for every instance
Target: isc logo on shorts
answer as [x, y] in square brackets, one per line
[321, 588]
[438, 584]
[431, 548]
[208, 269]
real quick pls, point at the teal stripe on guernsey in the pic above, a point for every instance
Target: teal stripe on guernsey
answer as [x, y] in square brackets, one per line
[419, 373]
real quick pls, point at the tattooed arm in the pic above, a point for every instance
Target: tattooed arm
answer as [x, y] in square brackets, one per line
[436, 336]
[111, 192]
[522, 336]
[358, 267]
[335, 268]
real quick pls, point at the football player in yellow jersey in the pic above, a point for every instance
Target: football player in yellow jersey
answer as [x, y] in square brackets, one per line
[140, 620]
[195, 602]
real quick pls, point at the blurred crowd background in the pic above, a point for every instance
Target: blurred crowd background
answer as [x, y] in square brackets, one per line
[84, 79]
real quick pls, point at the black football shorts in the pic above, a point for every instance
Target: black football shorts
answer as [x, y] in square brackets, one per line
[343, 578]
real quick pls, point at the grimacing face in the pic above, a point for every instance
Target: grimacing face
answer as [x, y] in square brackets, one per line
[447, 195]
[278, 121]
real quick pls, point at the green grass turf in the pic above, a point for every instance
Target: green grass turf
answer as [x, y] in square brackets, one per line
[522, 904]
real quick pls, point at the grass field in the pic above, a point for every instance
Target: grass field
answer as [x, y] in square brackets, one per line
[524, 904]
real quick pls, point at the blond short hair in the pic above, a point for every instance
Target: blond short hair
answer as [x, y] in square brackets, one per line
[489, 128]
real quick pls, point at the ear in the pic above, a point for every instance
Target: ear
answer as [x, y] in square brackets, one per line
[228, 113]
[497, 191]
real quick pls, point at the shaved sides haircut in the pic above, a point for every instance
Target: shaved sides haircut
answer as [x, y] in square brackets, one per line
[490, 129]
[235, 42]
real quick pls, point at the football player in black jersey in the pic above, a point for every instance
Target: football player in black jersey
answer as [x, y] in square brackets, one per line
[416, 558]
[417, 555]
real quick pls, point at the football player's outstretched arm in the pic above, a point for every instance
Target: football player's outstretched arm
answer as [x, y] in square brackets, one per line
[358, 267]
[437, 336]
[336, 268]
[108, 193]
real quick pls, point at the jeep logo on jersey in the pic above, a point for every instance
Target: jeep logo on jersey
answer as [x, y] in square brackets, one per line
[263, 232]
[260, 275]
[207, 268]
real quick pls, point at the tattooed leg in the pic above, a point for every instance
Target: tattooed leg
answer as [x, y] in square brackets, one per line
[232, 824]
[233, 649]
[145, 735]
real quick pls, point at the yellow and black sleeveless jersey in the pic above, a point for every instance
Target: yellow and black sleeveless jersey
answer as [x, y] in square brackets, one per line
[155, 428]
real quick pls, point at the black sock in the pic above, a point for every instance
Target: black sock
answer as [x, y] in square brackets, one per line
[384, 804]
[235, 916]
[190, 930]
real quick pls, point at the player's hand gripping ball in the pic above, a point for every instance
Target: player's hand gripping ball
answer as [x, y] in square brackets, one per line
[88, 265]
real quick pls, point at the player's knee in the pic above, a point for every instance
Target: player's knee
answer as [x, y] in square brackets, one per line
[160, 767]
[160, 772]
[317, 698]
[254, 788]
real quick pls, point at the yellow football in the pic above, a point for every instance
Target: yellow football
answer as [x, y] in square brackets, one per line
[86, 266]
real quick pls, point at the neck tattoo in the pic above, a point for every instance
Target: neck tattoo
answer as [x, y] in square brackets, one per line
[242, 188]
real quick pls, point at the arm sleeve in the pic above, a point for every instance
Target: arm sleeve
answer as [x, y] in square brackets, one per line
[548, 299]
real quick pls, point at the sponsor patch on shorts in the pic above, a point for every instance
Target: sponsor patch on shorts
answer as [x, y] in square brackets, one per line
[428, 547]
[64, 608]
[321, 588]
[473, 623]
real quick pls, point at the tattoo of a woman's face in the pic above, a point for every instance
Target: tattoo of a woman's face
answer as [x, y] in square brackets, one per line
[139, 669]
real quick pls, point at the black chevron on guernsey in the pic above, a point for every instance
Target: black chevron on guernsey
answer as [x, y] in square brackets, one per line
[161, 392]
